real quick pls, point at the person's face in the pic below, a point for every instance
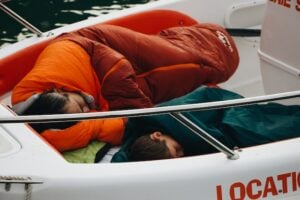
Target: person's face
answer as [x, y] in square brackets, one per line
[174, 147]
[75, 103]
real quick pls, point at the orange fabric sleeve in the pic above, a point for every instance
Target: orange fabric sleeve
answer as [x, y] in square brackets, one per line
[120, 89]
[64, 65]
[80, 134]
[172, 79]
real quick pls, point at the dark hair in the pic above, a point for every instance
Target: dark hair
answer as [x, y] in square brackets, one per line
[48, 102]
[144, 148]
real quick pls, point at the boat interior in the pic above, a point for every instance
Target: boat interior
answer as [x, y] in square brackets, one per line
[254, 77]
[269, 71]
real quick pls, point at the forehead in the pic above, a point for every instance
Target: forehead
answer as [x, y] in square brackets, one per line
[71, 107]
[67, 96]
[56, 97]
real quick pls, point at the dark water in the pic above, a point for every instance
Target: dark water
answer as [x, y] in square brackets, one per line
[49, 14]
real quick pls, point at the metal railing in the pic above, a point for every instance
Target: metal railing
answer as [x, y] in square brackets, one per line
[149, 111]
[205, 136]
[20, 19]
[174, 111]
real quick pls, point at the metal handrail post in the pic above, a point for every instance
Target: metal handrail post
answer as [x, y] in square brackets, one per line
[20, 19]
[205, 136]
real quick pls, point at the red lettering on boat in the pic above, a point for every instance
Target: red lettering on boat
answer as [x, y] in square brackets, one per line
[284, 181]
[270, 187]
[219, 192]
[257, 189]
[299, 180]
[294, 181]
[250, 187]
[239, 189]
[285, 3]
[298, 6]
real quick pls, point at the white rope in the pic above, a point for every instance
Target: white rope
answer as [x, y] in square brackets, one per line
[28, 188]
[27, 181]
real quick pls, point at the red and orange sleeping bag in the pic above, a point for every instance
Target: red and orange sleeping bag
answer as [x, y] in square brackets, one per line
[125, 69]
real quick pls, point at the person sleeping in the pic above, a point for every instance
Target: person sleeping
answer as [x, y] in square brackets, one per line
[163, 137]
[66, 136]
[122, 69]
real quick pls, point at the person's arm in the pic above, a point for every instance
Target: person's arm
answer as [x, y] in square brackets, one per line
[117, 79]
[177, 80]
[116, 75]
[80, 134]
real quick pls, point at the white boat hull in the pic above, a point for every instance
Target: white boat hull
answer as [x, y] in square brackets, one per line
[270, 171]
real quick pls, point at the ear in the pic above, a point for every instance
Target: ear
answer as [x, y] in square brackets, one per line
[156, 136]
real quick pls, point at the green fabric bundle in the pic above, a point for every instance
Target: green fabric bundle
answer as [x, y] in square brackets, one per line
[86, 154]
[235, 127]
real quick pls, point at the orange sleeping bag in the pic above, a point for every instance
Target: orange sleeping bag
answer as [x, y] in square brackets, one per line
[138, 70]
[67, 66]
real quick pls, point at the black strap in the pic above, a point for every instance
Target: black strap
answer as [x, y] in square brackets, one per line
[102, 152]
[243, 32]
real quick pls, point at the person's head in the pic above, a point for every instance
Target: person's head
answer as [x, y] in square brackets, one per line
[57, 102]
[54, 102]
[155, 146]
